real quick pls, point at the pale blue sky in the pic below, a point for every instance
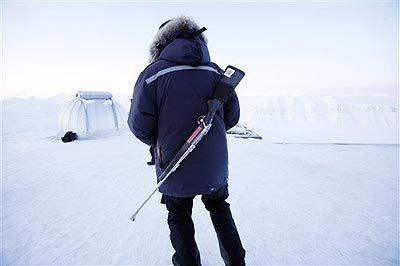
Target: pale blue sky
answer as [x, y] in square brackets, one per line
[284, 48]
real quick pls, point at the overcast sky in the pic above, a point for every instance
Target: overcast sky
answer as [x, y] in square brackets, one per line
[284, 48]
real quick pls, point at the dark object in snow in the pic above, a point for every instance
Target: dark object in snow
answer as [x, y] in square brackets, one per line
[69, 137]
[241, 131]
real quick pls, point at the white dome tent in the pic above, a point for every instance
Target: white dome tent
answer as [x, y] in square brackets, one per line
[91, 112]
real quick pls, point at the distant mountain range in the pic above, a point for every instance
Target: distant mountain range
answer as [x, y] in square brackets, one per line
[323, 119]
[360, 119]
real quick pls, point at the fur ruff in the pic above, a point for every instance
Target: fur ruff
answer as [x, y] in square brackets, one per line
[163, 34]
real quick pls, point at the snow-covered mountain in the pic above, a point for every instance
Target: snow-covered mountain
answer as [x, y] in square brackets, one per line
[324, 111]
[336, 119]
[330, 119]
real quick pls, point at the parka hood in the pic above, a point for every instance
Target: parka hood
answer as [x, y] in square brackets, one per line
[169, 30]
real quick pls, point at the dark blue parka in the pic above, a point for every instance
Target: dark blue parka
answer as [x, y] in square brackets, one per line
[169, 96]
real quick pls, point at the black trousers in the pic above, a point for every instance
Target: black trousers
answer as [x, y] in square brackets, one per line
[182, 229]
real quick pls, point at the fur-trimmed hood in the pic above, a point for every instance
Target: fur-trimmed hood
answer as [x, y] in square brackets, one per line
[164, 34]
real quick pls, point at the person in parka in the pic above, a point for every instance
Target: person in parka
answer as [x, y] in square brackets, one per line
[169, 96]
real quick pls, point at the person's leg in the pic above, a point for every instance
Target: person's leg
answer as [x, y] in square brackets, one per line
[230, 245]
[182, 231]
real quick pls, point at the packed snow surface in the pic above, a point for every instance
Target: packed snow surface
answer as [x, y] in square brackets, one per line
[307, 201]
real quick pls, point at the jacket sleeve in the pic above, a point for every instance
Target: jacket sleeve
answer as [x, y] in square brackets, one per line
[231, 111]
[143, 113]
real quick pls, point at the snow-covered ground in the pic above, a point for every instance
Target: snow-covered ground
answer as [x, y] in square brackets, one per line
[297, 203]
